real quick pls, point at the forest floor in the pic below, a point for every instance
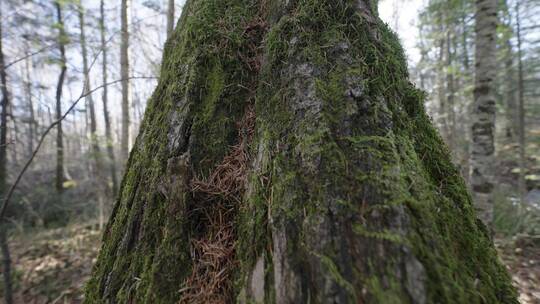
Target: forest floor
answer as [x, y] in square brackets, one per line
[52, 266]
[521, 255]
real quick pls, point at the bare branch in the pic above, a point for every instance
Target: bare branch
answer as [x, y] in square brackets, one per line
[42, 139]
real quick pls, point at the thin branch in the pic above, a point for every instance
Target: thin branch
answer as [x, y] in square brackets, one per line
[43, 49]
[42, 139]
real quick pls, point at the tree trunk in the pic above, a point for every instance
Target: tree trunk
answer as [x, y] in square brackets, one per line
[510, 92]
[32, 118]
[285, 158]
[124, 74]
[483, 116]
[6, 265]
[6, 259]
[170, 17]
[521, 112]
[104, 73]
[441, 76]
[101, 183]
[450, 96]
[511, 128]
[62, 37]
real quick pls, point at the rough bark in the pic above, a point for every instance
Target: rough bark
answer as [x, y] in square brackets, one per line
[6, 259]
[483, 115]
[106, 117]
[62, 37]
[124, 74]
[340, 191]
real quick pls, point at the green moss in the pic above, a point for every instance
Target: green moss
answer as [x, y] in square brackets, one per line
[383, 235]
[336, 275]
[401, 154]
[381, 294]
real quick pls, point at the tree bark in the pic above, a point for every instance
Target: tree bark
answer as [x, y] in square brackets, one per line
[62, 37]
[170, 17]
[124, 74]
[285, 157]
[6, 259]
[483, 116]
[106, 117]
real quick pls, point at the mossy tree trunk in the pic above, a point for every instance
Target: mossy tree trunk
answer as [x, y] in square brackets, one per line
[339, 191]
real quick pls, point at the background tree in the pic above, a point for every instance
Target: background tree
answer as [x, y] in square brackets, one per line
[62, 40]
[105, 99]
[6, 258]
[124, 73]
[483, 115]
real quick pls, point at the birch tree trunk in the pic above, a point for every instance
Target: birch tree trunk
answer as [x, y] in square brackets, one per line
[483, 116]
[106, 117]
[285, 157]
[124, 74]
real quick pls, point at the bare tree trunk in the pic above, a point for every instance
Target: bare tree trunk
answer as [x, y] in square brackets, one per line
[450, 96]
[292, 164]
[521, 111]
[124, 74]
[511, 127]
[6, 259]
[104, 73]
[441, 88]
[510, 93]
[466, 170]
[464, 41]
[32, 119]
[59, 87]
[13, 134]
[170, 17]
[483, 116]
[101, 183]
[6, 265]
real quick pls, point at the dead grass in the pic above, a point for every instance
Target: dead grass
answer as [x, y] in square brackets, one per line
[213, 253]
